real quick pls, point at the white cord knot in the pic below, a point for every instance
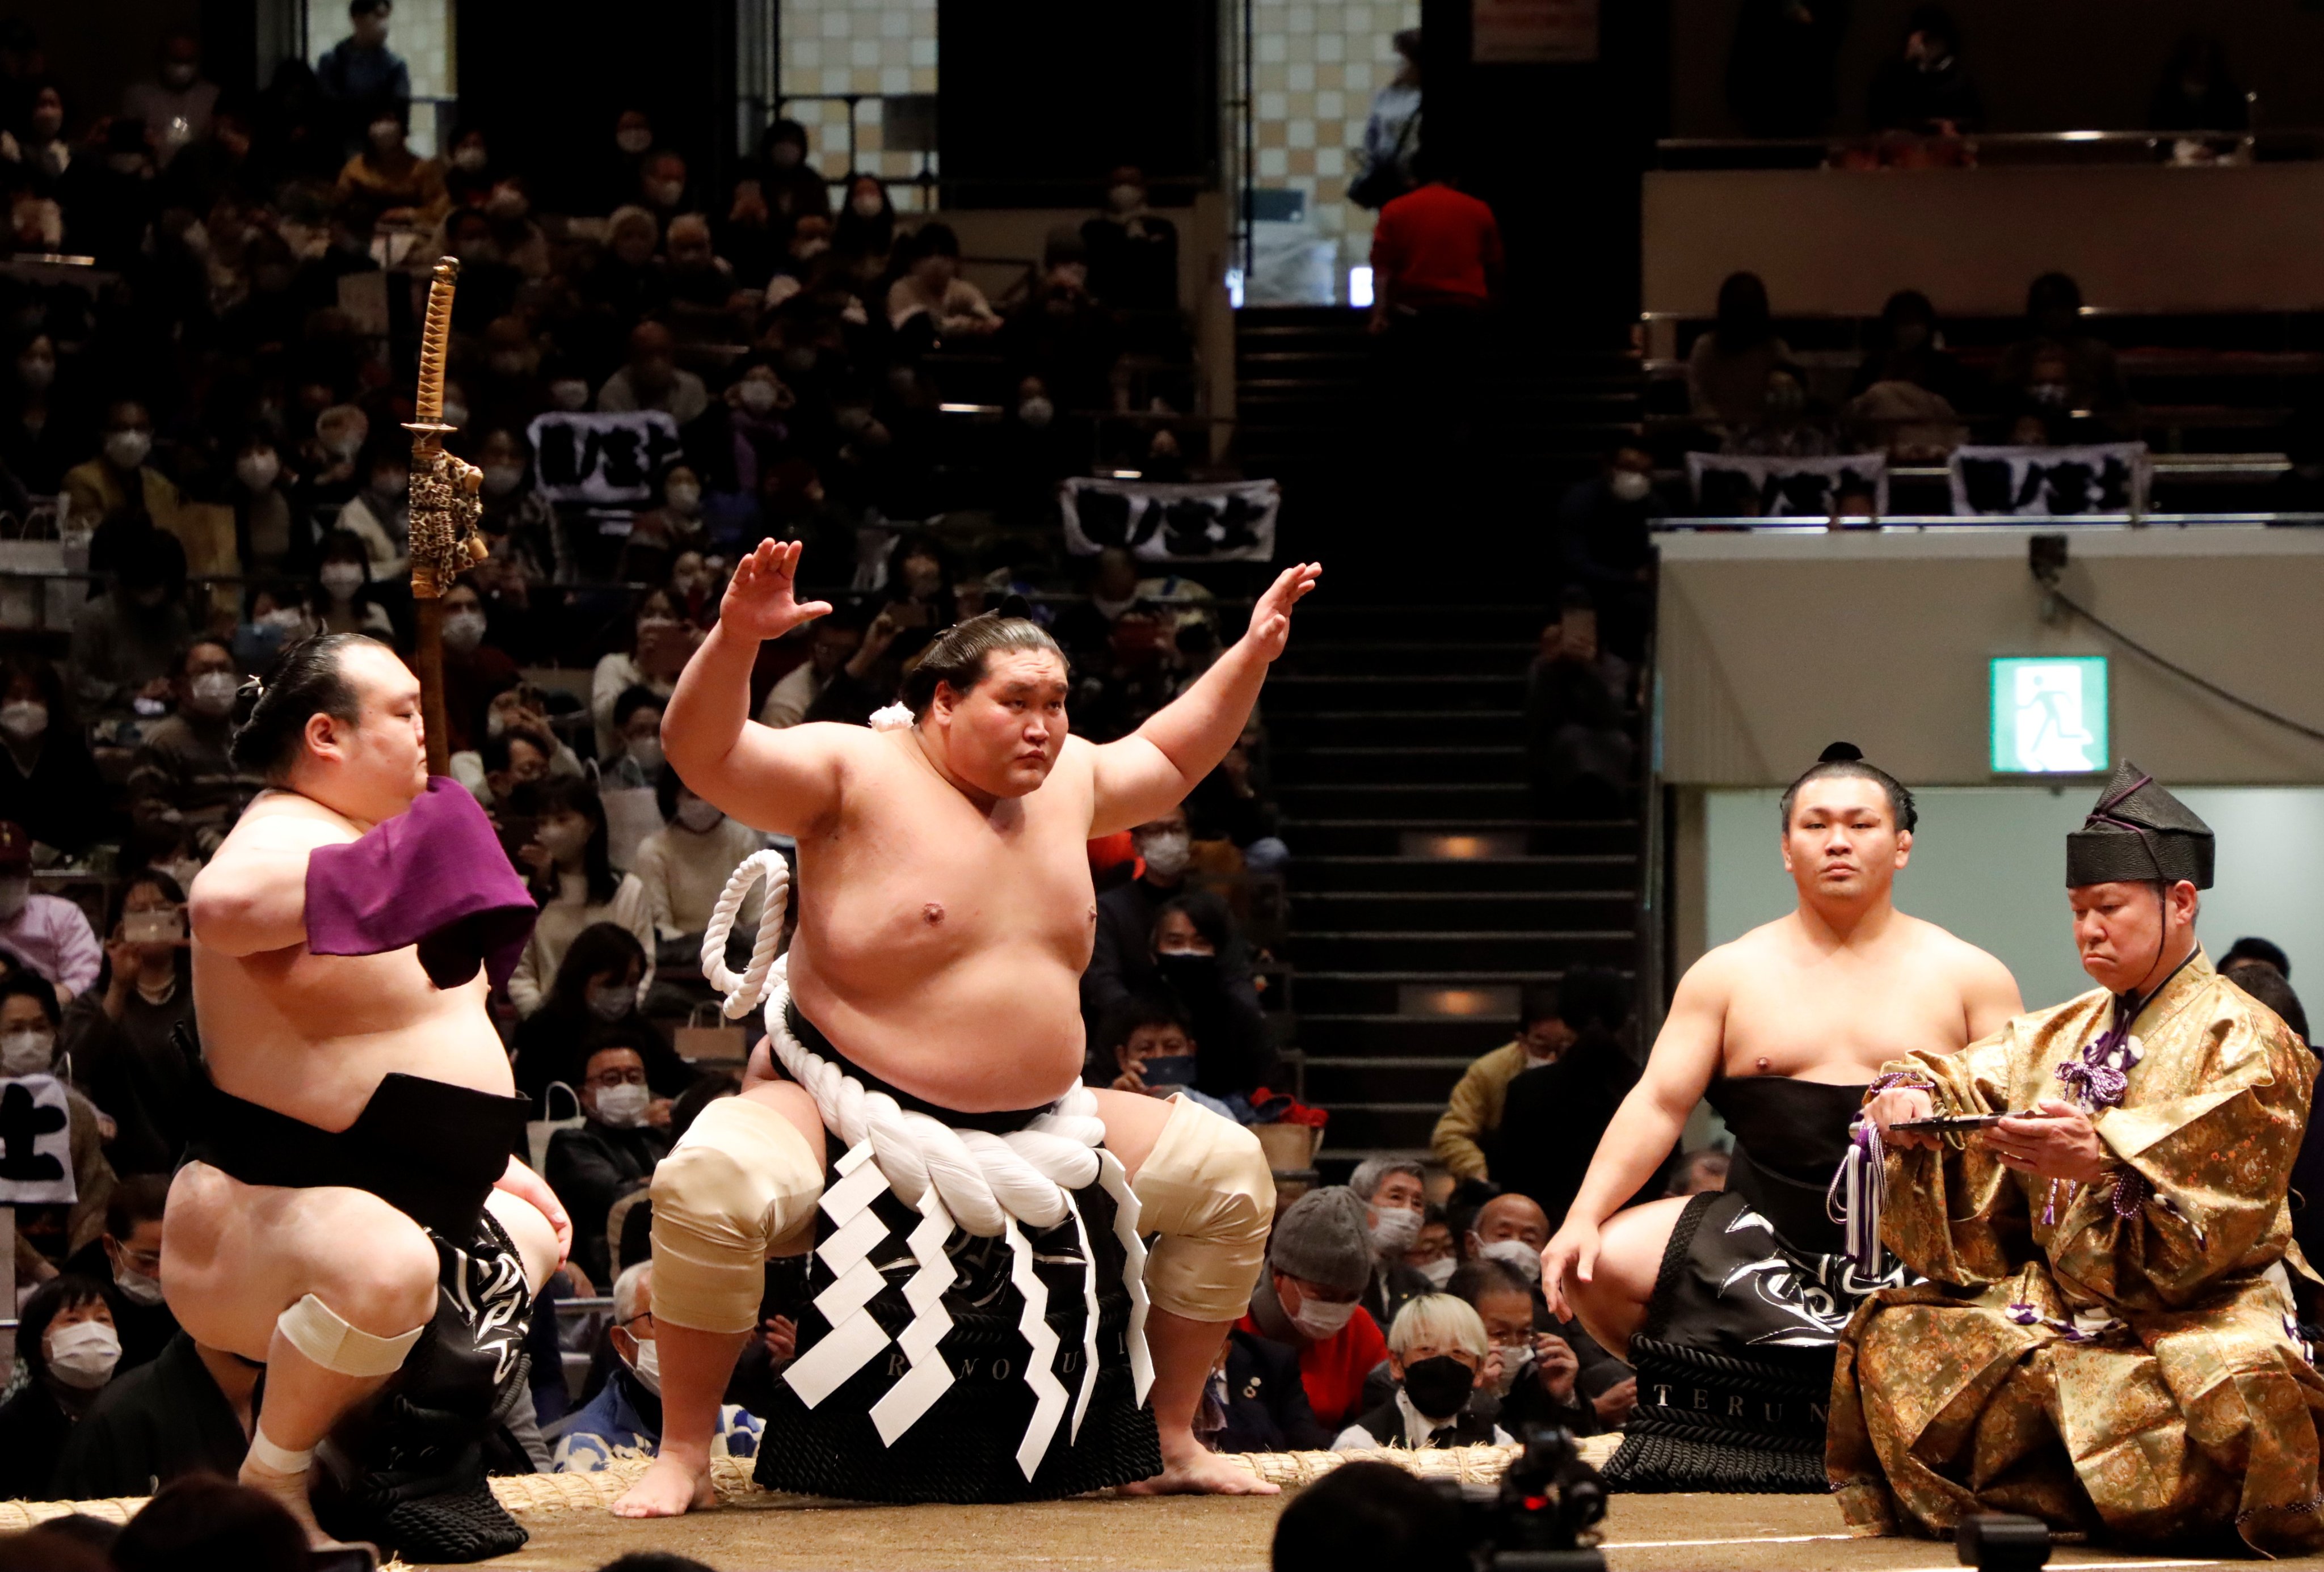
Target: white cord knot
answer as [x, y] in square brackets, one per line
[892, 718]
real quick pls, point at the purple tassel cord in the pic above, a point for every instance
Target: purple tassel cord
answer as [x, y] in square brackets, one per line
[1859, 1188]
[2097, 1078]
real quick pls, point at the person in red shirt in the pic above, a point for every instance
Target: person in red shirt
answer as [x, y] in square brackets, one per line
[1435, 250]
[1319, 1262]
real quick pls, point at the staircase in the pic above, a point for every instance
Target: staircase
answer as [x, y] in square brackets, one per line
[1424, 896]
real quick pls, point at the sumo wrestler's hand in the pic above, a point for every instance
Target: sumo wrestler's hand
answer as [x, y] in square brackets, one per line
[2059, 1142]
[1897, 1106]
[1270, 619]
[533, 1190]
[761, 599]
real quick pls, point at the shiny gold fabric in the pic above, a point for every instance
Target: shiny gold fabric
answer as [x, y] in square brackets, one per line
[2132, 1374]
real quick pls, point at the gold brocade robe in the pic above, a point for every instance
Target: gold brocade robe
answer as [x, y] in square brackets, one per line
[2130, 1373]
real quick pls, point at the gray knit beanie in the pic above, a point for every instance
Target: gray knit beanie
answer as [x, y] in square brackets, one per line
[1321, 1238]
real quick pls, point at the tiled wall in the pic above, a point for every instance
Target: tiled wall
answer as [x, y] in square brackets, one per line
[1316, 64]
[420, 31]
[886, 47]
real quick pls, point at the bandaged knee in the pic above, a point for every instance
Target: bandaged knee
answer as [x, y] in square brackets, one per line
[324, 1335]
[739, 1188]
[1206, 1189]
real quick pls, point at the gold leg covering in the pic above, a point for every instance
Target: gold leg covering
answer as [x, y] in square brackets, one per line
[1207, 1191]
[739, 1184]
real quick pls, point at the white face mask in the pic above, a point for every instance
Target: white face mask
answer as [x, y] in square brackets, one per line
[343, 579]
[257, 470]
[647, 1365]
[1515, 1358]
[1397, 1231]
[758, 395]
[622, 1107]
[386, 135]
[501, 479]
[1321, 1321]
[463, 631]
[610, 1004]
[291, 621]
[1125, 198]
[27, 1051]
[665, 193]
[1628, 486]
[13, 893]
[1167, 853]
[866, 206]
[1439, 1271]
[569, 393]
[685, 500]
[647, 751]
[635, 140]
[1517, 1254]
[469, 157]
[212, 693]
[84, 1354]
[699, 816]
[24, 720]
[137, 1288]
[1037, 412]
[127, 449]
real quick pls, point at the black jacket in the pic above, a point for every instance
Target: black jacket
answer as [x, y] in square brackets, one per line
[1267, 1404]
[159, 1422]
[1385, 1424]
[144, 1329]
[34, 1429]
[590, 1168]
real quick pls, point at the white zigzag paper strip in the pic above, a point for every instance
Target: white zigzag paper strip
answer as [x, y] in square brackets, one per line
[929, 1378]
[1040, 1369]
[856, 1336]
[1089, 1317]
[1116, 1180]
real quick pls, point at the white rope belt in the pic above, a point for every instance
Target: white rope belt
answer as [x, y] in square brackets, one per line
[985, 1183]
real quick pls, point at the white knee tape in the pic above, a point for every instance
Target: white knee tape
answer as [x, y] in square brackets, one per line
[281, 1460]
[741, 1184]
[318, 1332]
[1206, 1189]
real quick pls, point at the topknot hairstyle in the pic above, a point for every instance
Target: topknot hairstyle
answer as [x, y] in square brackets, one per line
[958, 656]
[305, 680]
[1844, 760]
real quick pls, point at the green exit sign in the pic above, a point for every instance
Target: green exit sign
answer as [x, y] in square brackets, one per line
[2050, 715]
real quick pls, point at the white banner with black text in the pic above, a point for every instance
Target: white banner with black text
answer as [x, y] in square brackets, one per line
[1224, 521]
[2051, 483]
[1728, 486]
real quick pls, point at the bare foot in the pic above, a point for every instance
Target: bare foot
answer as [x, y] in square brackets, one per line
[670, 1488]
[291, 1490]
[1201, 1472]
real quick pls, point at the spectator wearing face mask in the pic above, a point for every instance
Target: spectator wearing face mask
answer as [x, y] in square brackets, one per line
[1605, 542]
[474, 669]
[49, 782]
[359, 74]
[1062, 332]
[1436, 1347]
[612, 1152]
[1133, 251]
[519, 529]
[65, 1337]
[832, 642]
[48, 934]
[126, 1261]
[41, 435]
[1435, 1254]
[684, 865]
[864, 237]
[1319, 1261]
[189, 1411]
[623, 284]
[1538, 1377]
[379, 515]
[130, 1038]
[758, 427]
[698, 281]
[176, 104]
[328, 459]
[592, 1004]
[1471, 1121]
[45, 1234]
[469, 172]
[1122, 959]
[119, 480]
[652, 378]
[2058, 367]
[180, 778]
[637, 763]
[344, 600]
[569, 865]
[1578, 744]
[1232, 1058]
[659, 536]
[932, 293]
[661, 641]
[270, 535]
[1394, 1209]
[1512, 1231]
[696, 587]
[625, 1416]
[791, 186]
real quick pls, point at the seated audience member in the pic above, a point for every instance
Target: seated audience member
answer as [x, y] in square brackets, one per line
[474, 670]
[48, 934]
[65, 1337]
[1503, 1253]
[1370, 1517]
[344, 602]
[684, 865]
[2058, 368]
[181, 779]
[1232, 802]
[1605, 542]
[1539, 1378]
[1394, 1207]
[1470, 1126]
[49, 782]
[121, 1037]
[652, 378]
[626, 1413]
[1578, 745]
[1132, 250]
[125, 641]
[636, 762]
[1906, 345]
[571, 870]
[931, 292]
[658, 643]
[1085, 628]
[832, 642]
[1319, 1261]
[2262, 951]
[204, 1521]
[379, 515]
[1512, 1229]
[612, 1152]
[1260, 1403]
[387, 176]
[118, 480]
[1728, 368]
[1435, 1254]
[46, 1234]
[1061, 333]
[1146, 1043]
[592, 1005]
[1792, 424]
[1924, 88]
[1191, 936]
[1122, 959]
[1552, 1115]
[1434, 1351]
[189, 1409]
[126, 1261]
[1698, 1172]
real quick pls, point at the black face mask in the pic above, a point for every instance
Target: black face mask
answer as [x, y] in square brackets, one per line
[1438, 1387]
[1187, 970]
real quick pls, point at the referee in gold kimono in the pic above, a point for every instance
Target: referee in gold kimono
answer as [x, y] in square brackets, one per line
[2106, 1338]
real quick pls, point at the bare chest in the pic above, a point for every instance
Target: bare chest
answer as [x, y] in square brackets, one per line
[1829, 1022]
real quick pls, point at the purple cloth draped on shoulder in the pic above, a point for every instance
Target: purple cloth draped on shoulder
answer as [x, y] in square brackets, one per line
[434, 875]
